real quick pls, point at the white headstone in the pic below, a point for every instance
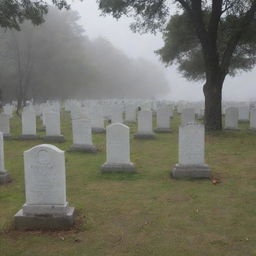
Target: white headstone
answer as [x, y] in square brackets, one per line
[163, 120]
[145, 125]
[231, 118]
[118, 149]
[5, 124]
[243, 113]
[253, 119]
[28, 123]
[191, 153]
[45, 180]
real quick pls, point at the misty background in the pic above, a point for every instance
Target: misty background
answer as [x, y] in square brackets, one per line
[81, 54]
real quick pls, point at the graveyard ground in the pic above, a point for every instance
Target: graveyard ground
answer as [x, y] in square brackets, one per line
[146, 213]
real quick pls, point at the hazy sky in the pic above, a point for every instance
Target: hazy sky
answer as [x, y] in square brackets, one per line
[243, 87]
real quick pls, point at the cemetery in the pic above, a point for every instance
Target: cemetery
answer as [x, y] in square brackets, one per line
[132, 195]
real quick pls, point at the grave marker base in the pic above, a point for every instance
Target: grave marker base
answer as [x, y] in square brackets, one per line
[191, 171]
[29, 137]
[44, 222]
[55, 138]
[98, 130]
[83, 148]
[162, 130]
[144, 136]
[4, 178]
[121, 168]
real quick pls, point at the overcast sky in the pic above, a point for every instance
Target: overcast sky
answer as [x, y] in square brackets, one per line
[242, 87]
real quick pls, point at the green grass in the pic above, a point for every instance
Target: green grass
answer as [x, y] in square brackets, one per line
[146, 213]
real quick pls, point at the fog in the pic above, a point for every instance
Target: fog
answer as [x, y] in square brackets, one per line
[57, 60]
[242, 87]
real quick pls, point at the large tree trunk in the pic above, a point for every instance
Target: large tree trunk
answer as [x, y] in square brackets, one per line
[213, 102]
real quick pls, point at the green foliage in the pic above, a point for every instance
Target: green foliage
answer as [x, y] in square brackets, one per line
[182, 47]
[14, 12]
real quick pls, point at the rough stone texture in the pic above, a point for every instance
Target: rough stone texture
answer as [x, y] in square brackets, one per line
[144, 136]
[124, 168]
[98, 130]
[29, 137]
[44, 222]
[231, 119]
[56, 138]
[83, 148]
[4, 178]
[191, 171]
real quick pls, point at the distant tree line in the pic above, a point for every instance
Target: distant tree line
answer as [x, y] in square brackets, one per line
[56, 60]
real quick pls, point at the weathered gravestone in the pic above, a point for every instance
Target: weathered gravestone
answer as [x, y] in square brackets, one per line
[52, 123]
[98, 125]
[191, 153]
[243, 114]
[187, 116]
[163, 120]
[253, 119]
[5, 125]
[130, 114]
[28, 125]
[82, 136]
[4, 175]
[45, 185]
[145, 130]
[231, 119]
[117, 115]
[118, 149]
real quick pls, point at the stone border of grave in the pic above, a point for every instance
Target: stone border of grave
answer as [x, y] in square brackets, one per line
[98, 130]
[54, 138]
[29, 137]
[4, 178]
[162, 130]
[144, 136]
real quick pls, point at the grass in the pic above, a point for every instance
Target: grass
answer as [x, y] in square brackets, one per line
[146, 213]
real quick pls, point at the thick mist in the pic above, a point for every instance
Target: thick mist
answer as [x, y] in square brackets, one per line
[57, 61]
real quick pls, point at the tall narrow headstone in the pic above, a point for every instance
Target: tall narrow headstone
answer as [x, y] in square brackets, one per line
[5, 125]
[98, 125]
[82, 136]
[52, 123]
[191, 153]
[28, 125]
[45, 185]
[118, 149]
[231, 119]
[243, 114]
[163, 120]
[130, 114]
[145, 130]
[253, 119]
[4, 175]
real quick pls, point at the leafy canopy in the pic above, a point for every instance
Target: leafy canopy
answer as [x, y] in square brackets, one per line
[14, 12]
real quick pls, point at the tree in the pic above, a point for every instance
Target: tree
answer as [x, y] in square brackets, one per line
[217, 35]
[14, 12]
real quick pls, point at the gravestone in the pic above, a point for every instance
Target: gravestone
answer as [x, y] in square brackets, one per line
[163, 120]
[145, 130]
[243, 114]
[52, 124]
[5, 125]
[231, 119]
[191, 153]
[28, 125]
[187, 116]
[46, 207]
[130, 114]
[82, 136]
[98, 125]
[4, 175]
[118, 150]
[253, 119]
[116, 115]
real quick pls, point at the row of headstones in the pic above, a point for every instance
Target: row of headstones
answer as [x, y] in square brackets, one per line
[45, 180]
